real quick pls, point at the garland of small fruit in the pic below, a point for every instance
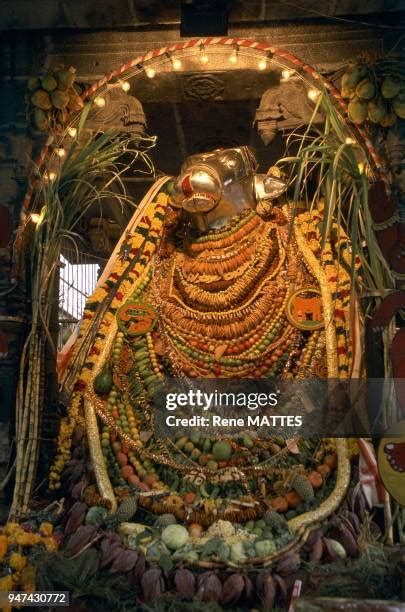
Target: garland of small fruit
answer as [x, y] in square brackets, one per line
[376, 92]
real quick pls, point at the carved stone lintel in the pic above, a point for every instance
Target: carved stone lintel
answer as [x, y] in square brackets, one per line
[284, 106]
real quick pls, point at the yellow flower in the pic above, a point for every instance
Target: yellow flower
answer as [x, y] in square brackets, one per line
[12, 528]
[6, 583]
[50, 544]
[3, 546]
[46, 529]
[17, 561]
[27, 539]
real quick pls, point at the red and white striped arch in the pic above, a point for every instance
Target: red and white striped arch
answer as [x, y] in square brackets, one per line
[287, 59]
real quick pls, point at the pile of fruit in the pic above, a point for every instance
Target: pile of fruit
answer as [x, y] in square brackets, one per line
[53, 94]
[375, 94]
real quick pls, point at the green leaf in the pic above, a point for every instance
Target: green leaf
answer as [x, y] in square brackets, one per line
[166, 562]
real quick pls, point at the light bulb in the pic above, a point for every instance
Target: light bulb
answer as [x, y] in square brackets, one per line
[233, 58]
[34, 217]
[176, 64]
[262, 63]
[72, 131]
[150, 72]
[286, 74]
[60, 151]
[313, 94]
[125, 86]
[99, 101]
[204, 59]
[52, 176]
[350, 141]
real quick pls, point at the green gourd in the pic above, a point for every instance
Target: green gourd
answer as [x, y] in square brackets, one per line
[104, 381]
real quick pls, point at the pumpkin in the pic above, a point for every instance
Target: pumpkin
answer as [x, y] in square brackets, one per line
[103, 382]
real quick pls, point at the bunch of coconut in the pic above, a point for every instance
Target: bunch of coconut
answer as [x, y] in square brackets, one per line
[379, 99]
[52, 96]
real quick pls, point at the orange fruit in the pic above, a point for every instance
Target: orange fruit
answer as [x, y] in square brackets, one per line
[293, 499]
[316, 479]
[279, 504]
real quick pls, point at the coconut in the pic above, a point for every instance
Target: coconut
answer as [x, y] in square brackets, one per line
[40, 120]
[365, 89]
[48, 82]
[353, 75]
[33, 83]
[347, 92]
[390, 87]
[388, 120]
[357, 110]
[75, 102]
[398, 104]
[376, 111]
[40, 98]
[60, 99]
[65, 78]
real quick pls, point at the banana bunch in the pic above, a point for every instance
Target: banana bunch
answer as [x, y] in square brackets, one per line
[375, 95]
[52, 96]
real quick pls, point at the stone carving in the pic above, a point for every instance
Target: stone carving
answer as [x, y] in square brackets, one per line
[122, 112]
[394, 149]
[203, 86]
[284, 106]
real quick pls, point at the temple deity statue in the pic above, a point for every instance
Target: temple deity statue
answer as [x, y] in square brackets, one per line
[216, 276]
